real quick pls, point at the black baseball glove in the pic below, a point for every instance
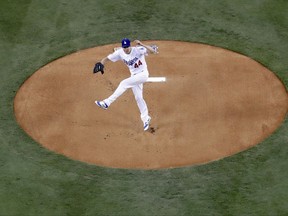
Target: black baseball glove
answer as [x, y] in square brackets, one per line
[98, 67]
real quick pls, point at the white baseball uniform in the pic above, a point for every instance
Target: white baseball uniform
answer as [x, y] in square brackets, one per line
[136, 63]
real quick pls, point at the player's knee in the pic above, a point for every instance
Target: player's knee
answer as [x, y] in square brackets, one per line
[138, 98]
[122, 84]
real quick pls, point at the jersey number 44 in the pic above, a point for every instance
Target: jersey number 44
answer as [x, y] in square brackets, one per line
[136, 65]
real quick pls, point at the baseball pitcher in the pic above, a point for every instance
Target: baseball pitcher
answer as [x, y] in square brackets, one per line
[134, 58]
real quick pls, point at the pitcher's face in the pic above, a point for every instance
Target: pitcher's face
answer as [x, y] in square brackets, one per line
[127, 50]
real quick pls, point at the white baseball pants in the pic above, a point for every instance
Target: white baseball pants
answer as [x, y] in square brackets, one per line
[136, 83]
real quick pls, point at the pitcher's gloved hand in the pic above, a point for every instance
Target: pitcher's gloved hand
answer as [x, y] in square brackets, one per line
[98, 67]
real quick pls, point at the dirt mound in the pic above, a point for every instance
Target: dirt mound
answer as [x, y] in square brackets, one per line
[213, 104]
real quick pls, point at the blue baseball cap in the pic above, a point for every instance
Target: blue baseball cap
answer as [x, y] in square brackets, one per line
[125, 43]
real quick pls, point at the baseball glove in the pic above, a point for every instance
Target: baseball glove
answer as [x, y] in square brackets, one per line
[98, 67]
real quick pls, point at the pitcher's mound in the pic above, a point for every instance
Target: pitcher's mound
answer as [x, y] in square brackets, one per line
[213, 104]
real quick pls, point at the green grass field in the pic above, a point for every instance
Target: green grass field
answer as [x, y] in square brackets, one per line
[35, 181]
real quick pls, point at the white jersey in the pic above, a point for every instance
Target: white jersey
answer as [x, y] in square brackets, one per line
[135, 60]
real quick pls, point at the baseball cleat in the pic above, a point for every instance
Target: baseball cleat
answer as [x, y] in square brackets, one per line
[146, 124]
[101, 104]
